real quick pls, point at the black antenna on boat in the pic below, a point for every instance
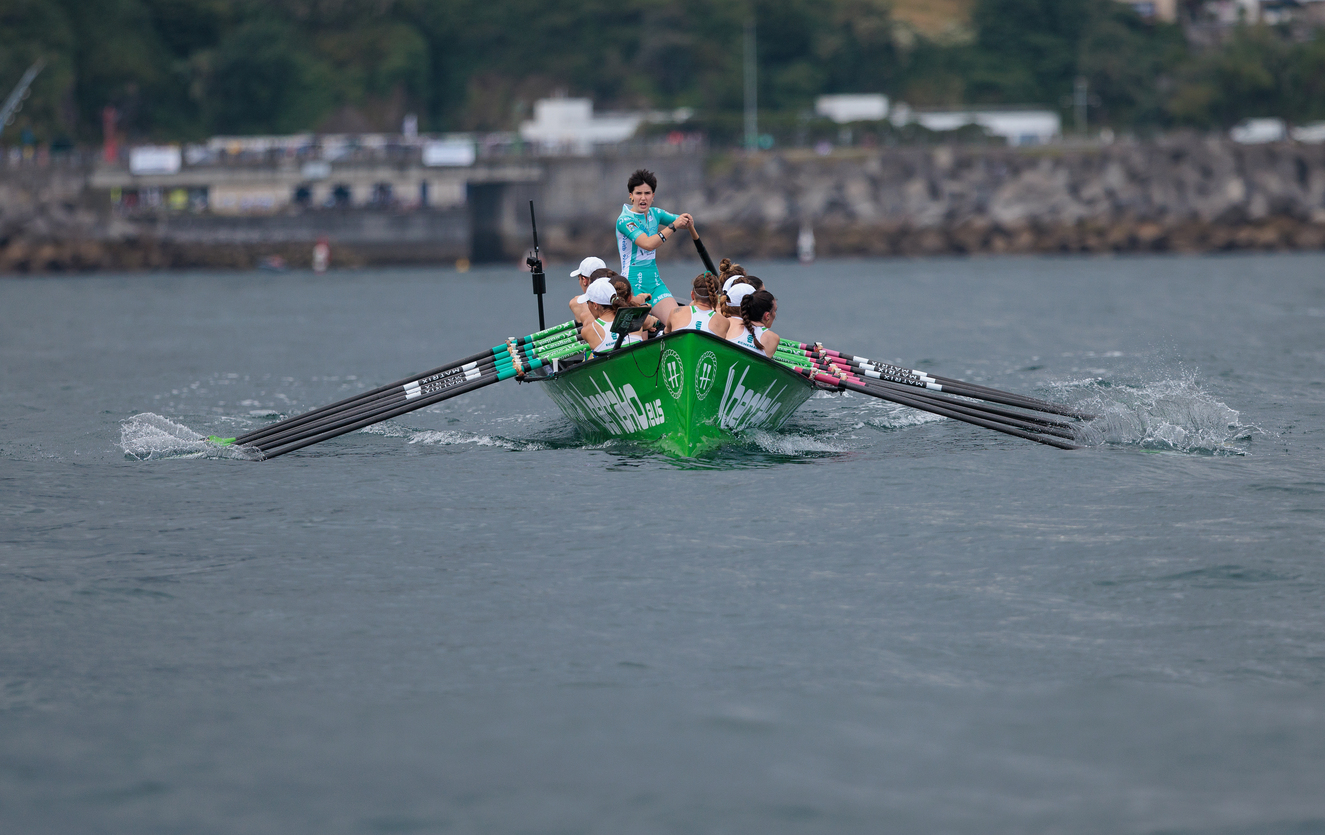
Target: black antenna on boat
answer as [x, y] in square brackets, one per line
[535, 263]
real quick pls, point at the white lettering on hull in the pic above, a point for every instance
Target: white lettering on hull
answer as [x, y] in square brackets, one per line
[743, 408]
[619, 411]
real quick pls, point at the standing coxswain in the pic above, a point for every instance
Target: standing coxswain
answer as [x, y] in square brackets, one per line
[640, 230]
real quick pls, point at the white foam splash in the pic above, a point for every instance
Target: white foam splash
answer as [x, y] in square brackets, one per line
[446, 437]
[1172, 414]
[786, 443]
[148, 436]
[900, 417]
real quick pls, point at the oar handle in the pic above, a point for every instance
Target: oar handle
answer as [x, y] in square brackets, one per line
[704, 256]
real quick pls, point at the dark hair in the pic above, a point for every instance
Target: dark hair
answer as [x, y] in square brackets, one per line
[625, 294]
[602, 272]
[707, 286]
[639, 178]
[727, 269]
[754, 307]
[754, 281]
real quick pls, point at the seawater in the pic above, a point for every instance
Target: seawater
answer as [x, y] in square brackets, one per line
[471, 620]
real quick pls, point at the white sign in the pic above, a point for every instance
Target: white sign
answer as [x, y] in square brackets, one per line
[449, 152]
[854, 107]
[154, 159]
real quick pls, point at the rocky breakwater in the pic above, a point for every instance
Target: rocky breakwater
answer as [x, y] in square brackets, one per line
[1179, 194]
[46, 221]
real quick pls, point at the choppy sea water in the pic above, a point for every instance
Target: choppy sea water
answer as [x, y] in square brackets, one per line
[470, 620]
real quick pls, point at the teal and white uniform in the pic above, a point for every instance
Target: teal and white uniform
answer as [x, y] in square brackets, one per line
[745, 340]
[608, 341]
[700, 320]
[640, 265]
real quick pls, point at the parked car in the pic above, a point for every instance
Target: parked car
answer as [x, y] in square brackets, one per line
[1259, 131]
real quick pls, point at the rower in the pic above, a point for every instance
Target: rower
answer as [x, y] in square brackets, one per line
[726, 269]
[701, 315]
[758, 310]
[604, 301]
[640, 230]
[649, 324]
[585, 273]
[729, 306]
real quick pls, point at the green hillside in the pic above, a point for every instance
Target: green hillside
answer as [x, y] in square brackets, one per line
[186, 69]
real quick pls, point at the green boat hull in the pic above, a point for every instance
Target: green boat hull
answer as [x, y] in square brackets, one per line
[684, 393]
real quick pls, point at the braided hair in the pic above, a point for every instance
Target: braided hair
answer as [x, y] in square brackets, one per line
[754, 307]
[707, 289]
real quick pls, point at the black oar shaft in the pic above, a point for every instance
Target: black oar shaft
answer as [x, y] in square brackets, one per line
[918, 389]
[911, 376]
[979, 410]
[386, 403]
[704, 256]
[339, 404]
[925, 406]
[400, 410]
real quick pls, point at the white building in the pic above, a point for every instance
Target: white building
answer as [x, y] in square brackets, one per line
[1017, 125]
[571, 124]
[853, 107]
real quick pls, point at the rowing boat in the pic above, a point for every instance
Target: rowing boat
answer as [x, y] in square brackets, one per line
[683, 393]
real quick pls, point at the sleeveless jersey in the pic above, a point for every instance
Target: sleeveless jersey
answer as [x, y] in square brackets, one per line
[609, 339]
[700, 320]
[745, 340]
[629, 226]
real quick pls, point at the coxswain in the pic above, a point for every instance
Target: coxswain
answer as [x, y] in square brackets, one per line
[640, 229]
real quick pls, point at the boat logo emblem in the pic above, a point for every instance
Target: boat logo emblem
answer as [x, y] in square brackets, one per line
[705, 374]
[673, 373]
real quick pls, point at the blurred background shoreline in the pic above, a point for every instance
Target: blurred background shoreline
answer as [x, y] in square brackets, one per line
[189, 133]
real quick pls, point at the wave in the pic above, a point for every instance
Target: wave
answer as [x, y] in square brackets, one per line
[1172, 414]
[450, 437]
[148, 436]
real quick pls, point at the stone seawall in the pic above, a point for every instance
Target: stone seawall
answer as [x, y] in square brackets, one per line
[1179, 194]
[1183, 194]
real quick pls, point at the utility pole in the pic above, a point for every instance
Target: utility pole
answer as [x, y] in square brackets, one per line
[751, 89]
[1080, 98]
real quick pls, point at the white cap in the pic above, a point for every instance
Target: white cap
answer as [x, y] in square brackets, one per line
[601, 292]
[588, 265]
[727, 285]
[737, 292]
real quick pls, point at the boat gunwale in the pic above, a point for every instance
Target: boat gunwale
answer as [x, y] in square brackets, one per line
[625, 350]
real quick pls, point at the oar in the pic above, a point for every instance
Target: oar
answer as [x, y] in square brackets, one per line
[1006, 399]
[485, 380]
[1032, 423]
[527, 343]
[340, 424]
[908, 400]
[376, 407]
[920, 379]
[704, 256]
